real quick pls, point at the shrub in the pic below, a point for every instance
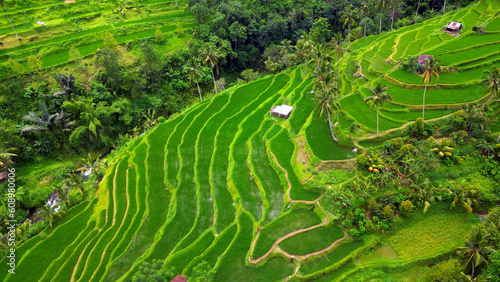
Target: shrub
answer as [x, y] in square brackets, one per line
[388, 212]
[362, 161]
[460, 136]
[445, 271]
[249, 75]
[354, 232]
[370, 227]
[406, 208]
[418, 128]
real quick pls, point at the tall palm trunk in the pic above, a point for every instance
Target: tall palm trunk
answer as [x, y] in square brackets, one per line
[331, 125]
[423, 107]
[444, 7]
[349, 35]
[364, 32]
[176, 3]
[213, 77]
[337, 78]
[377, 122]
[199, 91]
[19, 38]
[416, 13]
[392, 17]
[301, 77]
[380, 26]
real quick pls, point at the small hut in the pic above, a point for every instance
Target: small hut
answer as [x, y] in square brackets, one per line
[423, 58]
[282, 111]
[454, 27]
[179, 278]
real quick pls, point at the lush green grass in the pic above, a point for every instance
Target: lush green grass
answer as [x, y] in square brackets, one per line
[293, 220]
[218, 247]
[340, 252]
[433, 96]
[413, 115]
[363, 115]
[405, 40]
[321, 141]
[334, 275]
[181, 259]
[464, 43]
[283, 148]
[270, 181]
[430, 234]
[317, 239]
[466, 56]
[302, 109]
[232, 266]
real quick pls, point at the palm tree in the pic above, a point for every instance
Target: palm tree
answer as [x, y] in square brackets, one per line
[394, 3]
[443, 149]
[92, 164]
[2, 3]
[325, 95]
[66, 82]
[444, 7]
[302, 54]
[365, 7]
[465, 197]
[416, 13]
[46, 122]
[50, 213]
[150, 119]
[210, 56]
[76, 180]
[348, 17]
[62, 194]
[193, 67]
[432, 68]
[491, 81]
[422, 192]
[336, 43]
[382, 5]
[378, 99]
[285, 47]
[6, 157]
[476, 250]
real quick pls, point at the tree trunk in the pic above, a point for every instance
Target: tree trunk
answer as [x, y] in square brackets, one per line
[364, 33]
[498, 139]
[377, 123]
[349, 35]
[19, 38]
[301, 77]
[380, 26]
[337, 79]
[444, 7]
[392, 17]
[416, 14]
[423, 105]
[176, 3]
[331, 125]
[199, 91]
[213, 77]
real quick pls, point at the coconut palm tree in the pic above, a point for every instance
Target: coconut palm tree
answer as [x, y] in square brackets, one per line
[285, 47]
[193, 67]
[348, 17]
[150, 119]
[432, 68]
[76, 180]
[443, 149]
[6, 157]
[50, 213]
[365, 8]
[422, 192]
[476, 250]
[382, 5]
[210, 55]
[378, 99]
[89, 163]
[394, 3]
[302, 54]
[336, 44]
[416, 12]
[464, 197]
[2, 3]
[62, 194]
[491, 80]
[325, 95]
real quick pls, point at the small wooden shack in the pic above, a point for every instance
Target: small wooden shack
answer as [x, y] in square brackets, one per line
[423, 58]
[282, 111]
[454, 27]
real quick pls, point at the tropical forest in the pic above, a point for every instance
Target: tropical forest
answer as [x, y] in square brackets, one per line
[249, 140]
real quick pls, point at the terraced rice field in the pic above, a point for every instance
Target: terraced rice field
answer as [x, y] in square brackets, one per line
[217, 183]
[470, 54]
[71, 24]
[222, 182]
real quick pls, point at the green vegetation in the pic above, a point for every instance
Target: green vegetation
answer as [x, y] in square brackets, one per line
[318, 239]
